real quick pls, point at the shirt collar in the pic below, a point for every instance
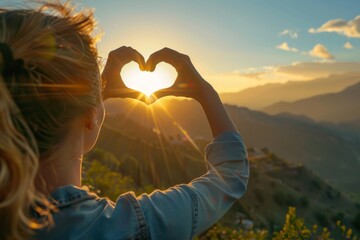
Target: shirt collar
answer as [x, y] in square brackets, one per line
[70, 194]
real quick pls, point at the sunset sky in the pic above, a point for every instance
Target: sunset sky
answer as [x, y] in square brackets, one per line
[236, 44]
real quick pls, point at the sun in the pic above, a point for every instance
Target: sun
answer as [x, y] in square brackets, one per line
[148, 82]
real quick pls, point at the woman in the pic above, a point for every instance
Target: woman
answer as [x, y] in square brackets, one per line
[51, 106]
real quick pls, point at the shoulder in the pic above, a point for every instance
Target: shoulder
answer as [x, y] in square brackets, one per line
[83, 215]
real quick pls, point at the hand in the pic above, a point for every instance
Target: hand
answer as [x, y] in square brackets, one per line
[114, 85]
[188, 83]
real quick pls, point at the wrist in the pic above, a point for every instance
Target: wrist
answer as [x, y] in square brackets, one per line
[206, 94]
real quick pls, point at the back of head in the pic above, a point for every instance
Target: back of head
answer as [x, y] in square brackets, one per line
[48, 75]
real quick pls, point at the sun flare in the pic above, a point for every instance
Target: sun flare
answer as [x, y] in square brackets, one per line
[148, 82]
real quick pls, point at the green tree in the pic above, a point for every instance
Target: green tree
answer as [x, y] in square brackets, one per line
[106, 182]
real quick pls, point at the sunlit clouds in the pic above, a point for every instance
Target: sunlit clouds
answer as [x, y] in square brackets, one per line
[290, 33]
[349, 28]
[285, 46]
[320, 51]
[309, 70]
[348, 45]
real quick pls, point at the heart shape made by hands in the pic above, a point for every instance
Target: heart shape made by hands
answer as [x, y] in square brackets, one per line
[163, 76]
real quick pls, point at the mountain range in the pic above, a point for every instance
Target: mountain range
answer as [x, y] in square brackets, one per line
[149, 158]
[263, 96]
[340, 107]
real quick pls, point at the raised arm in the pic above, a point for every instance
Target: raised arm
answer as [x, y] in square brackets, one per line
[188, 209]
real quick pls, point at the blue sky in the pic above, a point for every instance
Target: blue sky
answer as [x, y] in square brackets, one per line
[231, 42]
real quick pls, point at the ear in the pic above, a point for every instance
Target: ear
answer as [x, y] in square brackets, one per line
[91, 119]
[94, 118]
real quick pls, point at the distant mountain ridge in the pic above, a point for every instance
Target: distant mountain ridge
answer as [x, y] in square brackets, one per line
[262, 96]
[341, 107]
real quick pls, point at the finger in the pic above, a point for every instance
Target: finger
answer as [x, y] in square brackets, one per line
[168, 92]
[167, 55]
[178, 90]
[124, 55]
[139, 59]
[123, 93]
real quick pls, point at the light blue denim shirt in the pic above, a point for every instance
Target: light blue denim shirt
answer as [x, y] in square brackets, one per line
[179, 212]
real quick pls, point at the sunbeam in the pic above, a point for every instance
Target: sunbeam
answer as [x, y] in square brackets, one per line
[162, 145]
[181, 129]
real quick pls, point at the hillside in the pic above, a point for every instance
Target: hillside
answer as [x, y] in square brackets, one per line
[331, 153]
[275, 184]
[341, 107]
[148, 157]
[263, 96]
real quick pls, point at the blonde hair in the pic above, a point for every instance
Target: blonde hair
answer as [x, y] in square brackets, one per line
[59, 79]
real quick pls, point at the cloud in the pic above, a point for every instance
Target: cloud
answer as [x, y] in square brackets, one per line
[251, 73]
[291, 33]
[317, 69]
[296, 70]
[285, 46]
[235, 80]
[349, 28]
[348, 45]
[320, 51]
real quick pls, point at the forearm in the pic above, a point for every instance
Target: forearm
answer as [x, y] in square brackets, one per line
[186, 210]
[218, 118]
[226, 179]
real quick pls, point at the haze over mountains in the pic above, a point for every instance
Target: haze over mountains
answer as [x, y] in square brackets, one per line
[332, 154]
[341, 107]
[275, 184]
[266, 95]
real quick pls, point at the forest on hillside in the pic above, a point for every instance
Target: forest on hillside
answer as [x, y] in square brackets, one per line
[283, 200]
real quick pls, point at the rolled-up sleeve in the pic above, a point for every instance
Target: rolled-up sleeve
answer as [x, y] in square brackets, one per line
[189, 209]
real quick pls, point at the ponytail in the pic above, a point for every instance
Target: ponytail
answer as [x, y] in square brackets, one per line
[18, 168]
